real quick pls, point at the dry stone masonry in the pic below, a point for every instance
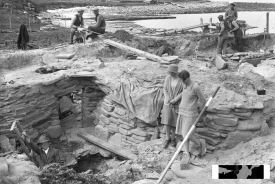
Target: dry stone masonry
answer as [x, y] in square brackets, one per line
[117, 126]
[48, 108]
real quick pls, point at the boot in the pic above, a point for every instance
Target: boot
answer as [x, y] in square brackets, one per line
[166, 144]
[173, 143]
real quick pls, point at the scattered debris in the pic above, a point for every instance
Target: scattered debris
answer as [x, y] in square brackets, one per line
[48, 28]
[56, 174]
[51, 69]
[122, 35]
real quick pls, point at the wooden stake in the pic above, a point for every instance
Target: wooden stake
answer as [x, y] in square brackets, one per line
[10, 19]
[267, 22]
[201, 23]
[30, 23]
[210, 23]
[10, 24]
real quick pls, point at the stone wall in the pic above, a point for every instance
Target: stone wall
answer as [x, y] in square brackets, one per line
[39, 107]
[227, 128]
[222, 128]
[116, 125]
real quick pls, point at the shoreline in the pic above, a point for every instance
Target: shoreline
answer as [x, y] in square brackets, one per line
[158, 10]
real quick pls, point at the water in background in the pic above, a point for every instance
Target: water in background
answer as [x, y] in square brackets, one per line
[185, 20]
[247, 1]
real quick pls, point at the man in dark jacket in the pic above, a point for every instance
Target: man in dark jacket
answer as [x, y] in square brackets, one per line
[47, 153]
[77, 22]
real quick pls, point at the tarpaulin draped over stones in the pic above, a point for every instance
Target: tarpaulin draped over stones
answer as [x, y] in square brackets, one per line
[144, 102]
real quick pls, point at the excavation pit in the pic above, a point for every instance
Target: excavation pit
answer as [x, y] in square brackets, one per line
[114, 103]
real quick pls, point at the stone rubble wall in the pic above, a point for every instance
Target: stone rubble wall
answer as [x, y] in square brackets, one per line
[226, 129]
[223, 128]
[38, 106]
[117, 126]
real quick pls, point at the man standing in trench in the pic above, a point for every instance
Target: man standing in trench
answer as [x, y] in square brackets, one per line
[47, 153]
[238, 33]
[223, 34]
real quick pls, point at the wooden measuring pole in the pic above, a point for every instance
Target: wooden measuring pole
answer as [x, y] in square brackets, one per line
[267, 22]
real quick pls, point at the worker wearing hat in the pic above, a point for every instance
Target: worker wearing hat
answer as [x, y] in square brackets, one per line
[223, 34]
[231, 12]
[100, 25]
[172, 87]
[47, 153]
[77, 22]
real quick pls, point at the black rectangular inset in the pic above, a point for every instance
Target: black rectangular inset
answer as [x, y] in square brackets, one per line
[241, 171]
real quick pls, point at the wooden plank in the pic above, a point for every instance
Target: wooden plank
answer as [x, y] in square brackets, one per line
[196, 26]
[133, 50]
[105, 145]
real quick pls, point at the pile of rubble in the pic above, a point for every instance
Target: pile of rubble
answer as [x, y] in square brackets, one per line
[56, 174]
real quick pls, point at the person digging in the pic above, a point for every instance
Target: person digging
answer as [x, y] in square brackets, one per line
[46, 152]
[188, 113]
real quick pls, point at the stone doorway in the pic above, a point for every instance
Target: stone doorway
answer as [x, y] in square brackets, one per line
[81, 108]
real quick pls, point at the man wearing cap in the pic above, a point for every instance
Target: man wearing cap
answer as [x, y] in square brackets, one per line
[231, 12]
[100, 25]
[77, 22]
[47, 153]
[223, 34]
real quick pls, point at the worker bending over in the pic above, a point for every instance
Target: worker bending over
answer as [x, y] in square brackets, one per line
[77, 22]
[223, 34]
